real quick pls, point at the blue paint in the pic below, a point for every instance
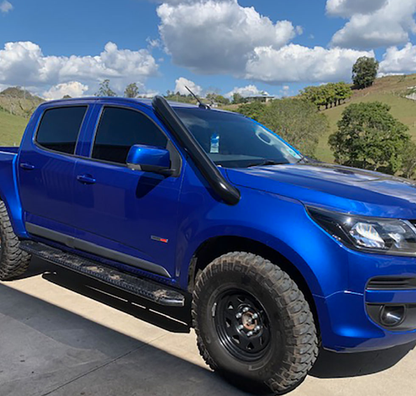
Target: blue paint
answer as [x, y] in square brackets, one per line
[140, 155]
[125, 207]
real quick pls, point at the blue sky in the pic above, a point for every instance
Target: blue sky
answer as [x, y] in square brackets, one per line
[56, 47]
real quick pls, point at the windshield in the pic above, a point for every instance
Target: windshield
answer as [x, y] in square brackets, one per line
[234, 141]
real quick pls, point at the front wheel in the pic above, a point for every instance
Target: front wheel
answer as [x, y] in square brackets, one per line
[253, 324]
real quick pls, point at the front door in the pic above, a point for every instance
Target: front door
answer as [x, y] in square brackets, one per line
[123, 214]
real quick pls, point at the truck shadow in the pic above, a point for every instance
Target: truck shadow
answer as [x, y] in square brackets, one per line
[178, 320]
[46, 349]
[342, 365]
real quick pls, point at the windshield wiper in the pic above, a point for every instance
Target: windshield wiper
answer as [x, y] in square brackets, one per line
[267, 162]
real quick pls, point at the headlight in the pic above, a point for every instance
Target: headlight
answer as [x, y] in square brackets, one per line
[371, 234]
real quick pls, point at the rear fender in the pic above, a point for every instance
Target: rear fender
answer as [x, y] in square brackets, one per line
[9, 192]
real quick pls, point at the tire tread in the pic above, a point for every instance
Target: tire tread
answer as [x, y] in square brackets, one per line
[13, 261]
[300, 330]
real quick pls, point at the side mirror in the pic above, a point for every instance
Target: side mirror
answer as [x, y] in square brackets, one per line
[149, 159]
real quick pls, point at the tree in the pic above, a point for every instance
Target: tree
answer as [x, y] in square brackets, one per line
[328, 95]
[178, 97]
[312, 94]
[364, 72]
[253, 110]
[369, 137]
[213, 97]
[222, 100]
[332, 94]
[131, 91]
[409, 161]
[296, 121]
[238, 98]
[105, 89]
[342, 92]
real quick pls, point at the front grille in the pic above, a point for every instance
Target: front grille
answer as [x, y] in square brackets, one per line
[392, 283]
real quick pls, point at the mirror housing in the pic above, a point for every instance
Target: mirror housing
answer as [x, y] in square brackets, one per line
[149, 159]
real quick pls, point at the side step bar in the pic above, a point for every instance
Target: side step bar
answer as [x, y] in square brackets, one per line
[106, 274]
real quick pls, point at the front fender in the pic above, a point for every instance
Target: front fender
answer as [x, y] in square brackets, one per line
[278, 222]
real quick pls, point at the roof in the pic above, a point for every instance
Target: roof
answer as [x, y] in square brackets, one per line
[142, 101]
[115, 99]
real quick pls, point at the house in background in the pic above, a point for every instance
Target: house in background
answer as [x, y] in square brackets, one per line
[260, 98]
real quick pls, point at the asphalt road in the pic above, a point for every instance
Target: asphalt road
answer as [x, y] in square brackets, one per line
[63, 334]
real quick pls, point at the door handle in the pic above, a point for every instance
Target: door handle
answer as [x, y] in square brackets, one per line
[27, 166]
[86, 179]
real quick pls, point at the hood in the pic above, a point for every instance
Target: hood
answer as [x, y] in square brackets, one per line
[334, 187]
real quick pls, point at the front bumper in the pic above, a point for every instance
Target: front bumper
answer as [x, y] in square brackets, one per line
[351, 329]
[350, 320]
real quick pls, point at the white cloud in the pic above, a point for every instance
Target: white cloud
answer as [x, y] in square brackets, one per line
[182, 83]
[374, 23]
[74, 89]
[222, 37]
[177, 1]
[347, 8]
[249, 90]
[5, 6]
[294, 63]
[285, 91]
[23, 63]
[396, 61]
[218, 36]
[153, 43]
[299, 30]
[148, 94]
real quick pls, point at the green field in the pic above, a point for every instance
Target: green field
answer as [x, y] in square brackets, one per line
[11, 128]
[389, 90]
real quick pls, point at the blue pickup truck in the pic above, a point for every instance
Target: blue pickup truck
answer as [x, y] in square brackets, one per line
[279, 255]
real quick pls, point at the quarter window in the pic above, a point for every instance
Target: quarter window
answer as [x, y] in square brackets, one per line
[119, 129]
[59, 128]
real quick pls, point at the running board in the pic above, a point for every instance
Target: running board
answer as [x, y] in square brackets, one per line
[141, 287]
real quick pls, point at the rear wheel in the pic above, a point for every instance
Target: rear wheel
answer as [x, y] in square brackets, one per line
[13, 261]
[253, 324]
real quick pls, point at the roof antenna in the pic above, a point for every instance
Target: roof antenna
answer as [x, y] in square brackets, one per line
[200, 104]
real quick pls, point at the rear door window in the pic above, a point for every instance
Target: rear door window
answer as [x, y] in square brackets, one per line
[59, 128]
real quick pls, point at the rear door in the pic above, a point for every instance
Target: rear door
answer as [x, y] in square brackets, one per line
[46, 171]
[126, 215]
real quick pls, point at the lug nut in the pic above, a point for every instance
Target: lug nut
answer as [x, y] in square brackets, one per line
[255, 316]
[245, 309]
[249, 334]
[241, 327]
[257, 329]
[239, 315]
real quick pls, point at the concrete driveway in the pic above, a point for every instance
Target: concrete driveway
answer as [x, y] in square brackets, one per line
[63, 334]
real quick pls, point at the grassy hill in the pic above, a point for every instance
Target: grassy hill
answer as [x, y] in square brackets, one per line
[390, 90]
[16, 106]
[19, 102]
[11, 128]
